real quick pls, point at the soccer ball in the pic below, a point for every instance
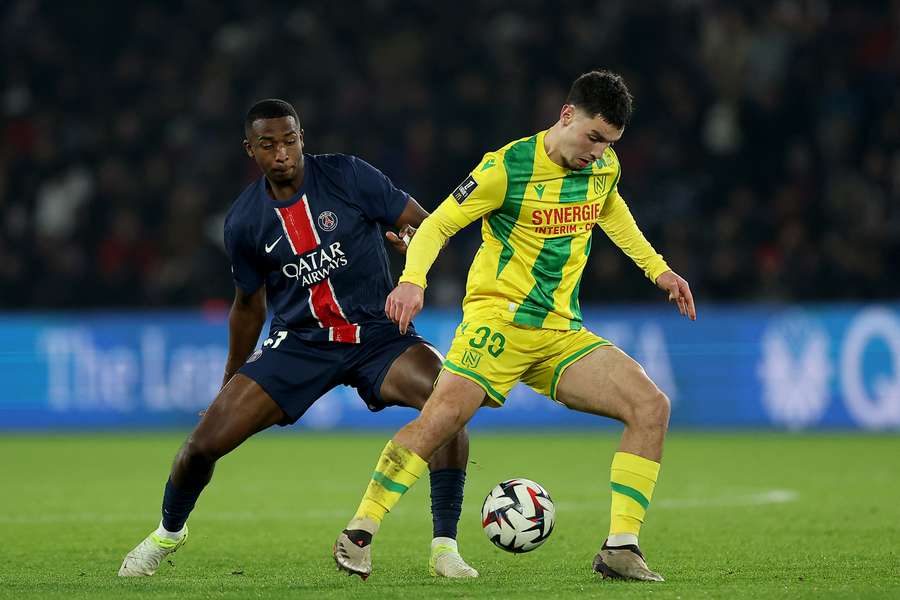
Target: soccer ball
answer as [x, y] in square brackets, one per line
[518, 515]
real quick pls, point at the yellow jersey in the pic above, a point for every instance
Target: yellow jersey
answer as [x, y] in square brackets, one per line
[537, 222]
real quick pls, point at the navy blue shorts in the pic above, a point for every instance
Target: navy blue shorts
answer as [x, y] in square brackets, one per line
[297, 372]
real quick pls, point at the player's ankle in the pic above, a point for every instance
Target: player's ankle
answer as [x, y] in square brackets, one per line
[447, 542]
[365, 524]
[164, 533]
[621, 539]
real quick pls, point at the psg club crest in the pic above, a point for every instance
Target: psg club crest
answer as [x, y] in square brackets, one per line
[327, 220]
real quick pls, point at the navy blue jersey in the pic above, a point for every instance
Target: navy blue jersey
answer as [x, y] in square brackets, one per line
[320, 254]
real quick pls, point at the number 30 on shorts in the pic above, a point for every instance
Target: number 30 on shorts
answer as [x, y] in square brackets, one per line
[483, 335]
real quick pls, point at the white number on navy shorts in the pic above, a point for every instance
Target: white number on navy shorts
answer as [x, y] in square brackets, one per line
[279, 337]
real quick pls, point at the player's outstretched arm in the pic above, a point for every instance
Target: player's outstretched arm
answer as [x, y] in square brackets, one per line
[245, 321]
[679, 293]
[479, 193]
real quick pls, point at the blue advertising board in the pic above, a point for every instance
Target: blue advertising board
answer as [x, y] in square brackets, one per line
[796, 367]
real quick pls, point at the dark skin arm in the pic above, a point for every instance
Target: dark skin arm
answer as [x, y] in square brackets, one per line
[245, 321]
[410, 219]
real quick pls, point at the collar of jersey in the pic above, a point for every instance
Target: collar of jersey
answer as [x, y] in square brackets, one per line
[283, 203]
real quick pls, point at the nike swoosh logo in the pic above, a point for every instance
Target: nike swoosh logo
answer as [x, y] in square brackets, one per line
[269, 248]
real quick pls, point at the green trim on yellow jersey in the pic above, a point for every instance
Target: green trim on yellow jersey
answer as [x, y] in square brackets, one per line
[518, 160]
[549, 265]
[574, 304]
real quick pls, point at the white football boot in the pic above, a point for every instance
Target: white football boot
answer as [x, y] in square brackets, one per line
[446, 561]
[146, 557]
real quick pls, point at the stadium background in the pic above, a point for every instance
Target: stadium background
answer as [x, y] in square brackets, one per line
[763, 161]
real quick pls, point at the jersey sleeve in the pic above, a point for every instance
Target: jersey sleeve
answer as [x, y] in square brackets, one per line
[243, 265]
[481, 192]
[616, 221]
[377, 196]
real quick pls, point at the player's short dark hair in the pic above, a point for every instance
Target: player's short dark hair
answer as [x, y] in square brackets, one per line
[602, 93]
[270, 108]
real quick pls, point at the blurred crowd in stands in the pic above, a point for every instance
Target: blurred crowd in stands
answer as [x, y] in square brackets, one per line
[763, 159]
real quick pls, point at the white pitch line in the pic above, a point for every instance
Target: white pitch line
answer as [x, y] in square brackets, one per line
[757, 499]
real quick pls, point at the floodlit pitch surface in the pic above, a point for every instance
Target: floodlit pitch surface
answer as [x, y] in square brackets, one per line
[743, 515]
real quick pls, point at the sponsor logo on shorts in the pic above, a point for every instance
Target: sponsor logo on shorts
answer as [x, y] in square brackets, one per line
[464, 189]
[255, 355]
[471, 358]
[327, 220]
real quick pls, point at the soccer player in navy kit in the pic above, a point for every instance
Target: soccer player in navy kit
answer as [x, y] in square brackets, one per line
[306, 238]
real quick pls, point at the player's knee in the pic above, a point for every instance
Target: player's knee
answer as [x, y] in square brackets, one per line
[653, 410]
[202, 449]
[446, 415]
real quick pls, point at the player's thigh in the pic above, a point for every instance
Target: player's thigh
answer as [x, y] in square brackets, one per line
[241, 409]
[607, 382]
[391, 369]
[410, 377]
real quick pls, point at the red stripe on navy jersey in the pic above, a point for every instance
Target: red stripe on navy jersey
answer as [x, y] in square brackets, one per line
[298, 226]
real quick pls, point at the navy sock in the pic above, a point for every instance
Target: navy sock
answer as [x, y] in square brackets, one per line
[177, 505]
[446, 500]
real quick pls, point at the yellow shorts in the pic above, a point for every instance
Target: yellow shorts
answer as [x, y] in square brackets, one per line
[496, 354]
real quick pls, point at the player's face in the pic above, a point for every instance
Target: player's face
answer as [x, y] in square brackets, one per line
[277, 147]
[584, 137]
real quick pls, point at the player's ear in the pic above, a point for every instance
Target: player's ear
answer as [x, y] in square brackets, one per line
[566, 113]
[248, 149]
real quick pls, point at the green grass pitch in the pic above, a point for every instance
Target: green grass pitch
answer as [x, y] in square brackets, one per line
[735, 515]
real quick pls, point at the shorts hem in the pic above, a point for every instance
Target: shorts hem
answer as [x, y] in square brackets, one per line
[289, 419]
[474, 377]
[567, 362]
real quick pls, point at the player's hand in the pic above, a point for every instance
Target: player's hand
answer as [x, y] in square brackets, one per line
[400, 240]
[679, 293]
[404, 303]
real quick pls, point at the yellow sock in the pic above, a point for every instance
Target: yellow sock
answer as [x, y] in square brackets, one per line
[397, 470]
[632, 479]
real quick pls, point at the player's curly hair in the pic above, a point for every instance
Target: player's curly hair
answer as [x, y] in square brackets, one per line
[602, 93]
[270, 108]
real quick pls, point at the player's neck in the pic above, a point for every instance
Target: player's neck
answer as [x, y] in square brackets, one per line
[287, 190]
[551, 144]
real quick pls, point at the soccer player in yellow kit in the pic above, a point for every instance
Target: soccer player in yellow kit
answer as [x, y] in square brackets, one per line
[539, 199]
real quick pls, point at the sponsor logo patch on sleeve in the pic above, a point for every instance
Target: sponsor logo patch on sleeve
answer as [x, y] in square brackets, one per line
[464, 189]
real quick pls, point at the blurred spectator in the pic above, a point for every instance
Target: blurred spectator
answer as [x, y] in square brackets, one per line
[763, 158]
